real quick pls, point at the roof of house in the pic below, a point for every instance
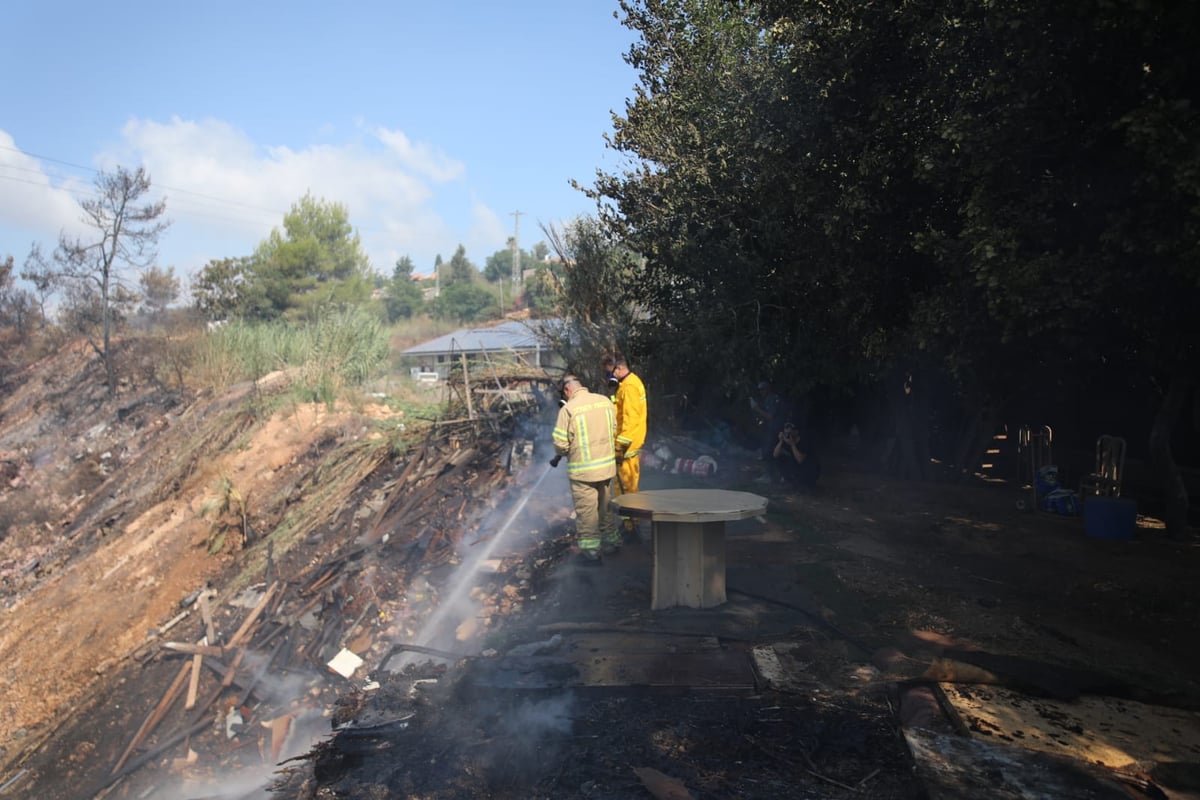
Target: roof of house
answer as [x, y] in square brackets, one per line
[510, 335]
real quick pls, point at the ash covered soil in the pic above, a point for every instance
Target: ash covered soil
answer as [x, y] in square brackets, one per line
[557, 680]
[612, 743]
[846, 585]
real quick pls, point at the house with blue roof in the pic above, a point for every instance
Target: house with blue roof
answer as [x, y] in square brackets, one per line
[513, 342]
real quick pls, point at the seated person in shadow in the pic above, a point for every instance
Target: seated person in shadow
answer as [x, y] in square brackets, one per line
[795, 459]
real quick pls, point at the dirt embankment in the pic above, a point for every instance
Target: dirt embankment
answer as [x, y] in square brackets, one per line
[115, 510]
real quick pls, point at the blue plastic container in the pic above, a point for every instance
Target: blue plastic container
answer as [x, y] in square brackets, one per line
[1110, 517]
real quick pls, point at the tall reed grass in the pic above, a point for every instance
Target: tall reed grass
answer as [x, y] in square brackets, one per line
[336, 351]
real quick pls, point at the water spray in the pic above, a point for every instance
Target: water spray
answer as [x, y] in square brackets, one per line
[441, 623]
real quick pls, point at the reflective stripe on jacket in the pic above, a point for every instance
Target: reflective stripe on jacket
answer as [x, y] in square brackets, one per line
[631, 415]
[584, 432]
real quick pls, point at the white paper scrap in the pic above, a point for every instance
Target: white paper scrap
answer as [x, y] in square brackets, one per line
[344, 663]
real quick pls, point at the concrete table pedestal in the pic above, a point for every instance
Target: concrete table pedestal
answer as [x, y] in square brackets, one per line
[688, 528]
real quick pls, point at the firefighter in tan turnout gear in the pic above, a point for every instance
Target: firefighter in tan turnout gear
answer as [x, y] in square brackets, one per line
[584, 433]
[630, 401]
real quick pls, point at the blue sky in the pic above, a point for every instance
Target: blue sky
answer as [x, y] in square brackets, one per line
[430, 121]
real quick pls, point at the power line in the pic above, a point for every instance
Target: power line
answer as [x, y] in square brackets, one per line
[180, 207]
[161, 186]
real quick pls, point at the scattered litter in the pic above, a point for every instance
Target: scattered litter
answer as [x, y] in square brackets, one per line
[233, 721]
[345, 663]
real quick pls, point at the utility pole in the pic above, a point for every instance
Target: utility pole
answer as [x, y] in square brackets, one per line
[516, 249]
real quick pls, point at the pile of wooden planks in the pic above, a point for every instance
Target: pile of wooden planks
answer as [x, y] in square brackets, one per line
[294, 625]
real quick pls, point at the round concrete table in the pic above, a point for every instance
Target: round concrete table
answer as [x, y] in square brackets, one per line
[688, 527]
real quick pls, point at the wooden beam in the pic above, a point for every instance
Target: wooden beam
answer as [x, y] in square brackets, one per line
[195, 649]
[194, 683]
[244, 630]
[155, 716]
[467, 387]
[206, 614]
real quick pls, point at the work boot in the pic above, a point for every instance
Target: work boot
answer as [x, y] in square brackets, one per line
[629, 530]
[589, 558]
[610, 541]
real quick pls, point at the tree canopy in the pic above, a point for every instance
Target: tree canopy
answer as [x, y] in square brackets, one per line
[459, 269]
[465, 302]
[403, 297]
[837, 193]
[159, 288]
[316, 260]
[499, 265]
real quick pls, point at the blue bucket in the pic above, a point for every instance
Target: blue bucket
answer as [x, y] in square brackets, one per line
[1110, 517]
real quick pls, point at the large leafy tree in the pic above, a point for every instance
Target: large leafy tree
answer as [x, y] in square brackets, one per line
[1063, 236]
[841, 192]
[403, 297]
[465, 302]
[710, 195]
[499, 265]
[221, 289]
[124, 229]
[315, 261]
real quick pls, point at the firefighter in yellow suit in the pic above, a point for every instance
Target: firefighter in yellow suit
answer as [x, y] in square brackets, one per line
[630, 401]
[584, 433]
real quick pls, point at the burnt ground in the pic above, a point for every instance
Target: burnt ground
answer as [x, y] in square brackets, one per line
[859, 617]
[850, 586]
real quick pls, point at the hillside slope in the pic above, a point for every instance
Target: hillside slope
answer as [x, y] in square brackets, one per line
[118, 511]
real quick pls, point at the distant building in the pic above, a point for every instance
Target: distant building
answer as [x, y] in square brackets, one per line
[526, 341]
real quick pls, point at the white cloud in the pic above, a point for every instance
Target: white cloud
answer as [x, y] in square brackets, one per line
[225, 192]
[487, 233]
[421, 157]
[220, 183]
[32, 200]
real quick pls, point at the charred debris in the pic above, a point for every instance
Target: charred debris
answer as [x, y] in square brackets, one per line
[249, 674]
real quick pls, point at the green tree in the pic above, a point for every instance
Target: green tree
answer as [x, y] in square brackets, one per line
[403, 268]
[464, 302]
[159, 288]
[404, 296]
[220, 290]
[713, 200]
[125, 229]
[315, 261]
[499, 265]
[852, 193]
[460, 269]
